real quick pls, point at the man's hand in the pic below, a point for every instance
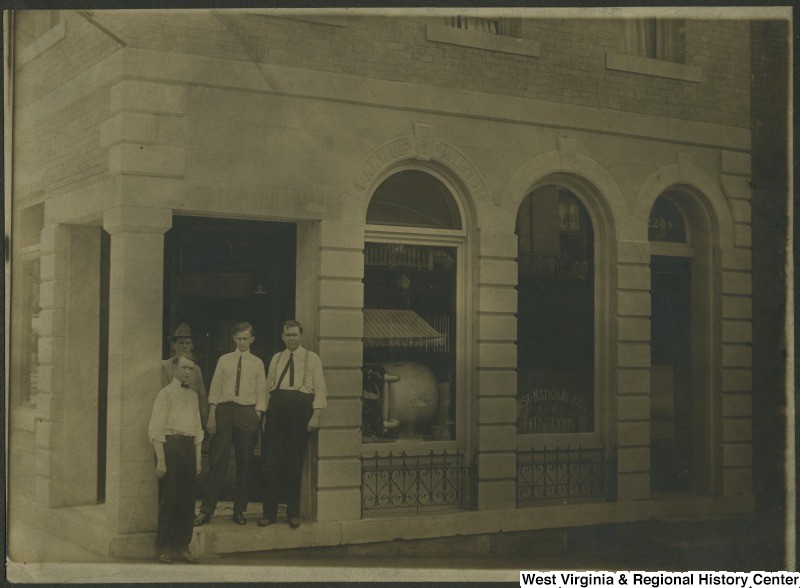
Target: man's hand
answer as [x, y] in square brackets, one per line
[161, 470]
[313, 422]
[211, 426]
[199, 466]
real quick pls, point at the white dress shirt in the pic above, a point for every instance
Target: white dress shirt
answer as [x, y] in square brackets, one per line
[308, 376]
[252, 381]
[175, 412]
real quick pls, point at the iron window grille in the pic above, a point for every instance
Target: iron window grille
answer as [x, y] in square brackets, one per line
[564, 476]
[438, 479]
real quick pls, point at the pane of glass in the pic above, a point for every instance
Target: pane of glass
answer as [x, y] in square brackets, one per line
[555, 319]
[413, 198]
[666, 223]
[409, 343]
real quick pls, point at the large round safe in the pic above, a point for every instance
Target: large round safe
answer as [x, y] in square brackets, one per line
[413, 394]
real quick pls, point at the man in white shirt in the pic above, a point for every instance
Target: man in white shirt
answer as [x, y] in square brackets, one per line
[181, 343]
[297, 396]
[237, 399]
[176, 434]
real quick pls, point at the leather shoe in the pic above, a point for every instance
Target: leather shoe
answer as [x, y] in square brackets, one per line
[238, 518]
[186, 557]
[265, 522]
[164, 558]
[202, 519]
[294, 522]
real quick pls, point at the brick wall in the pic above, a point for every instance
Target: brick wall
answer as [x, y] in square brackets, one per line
[571, 67]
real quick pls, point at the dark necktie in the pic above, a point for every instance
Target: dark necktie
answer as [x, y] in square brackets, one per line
[289, 368]
[238, 375]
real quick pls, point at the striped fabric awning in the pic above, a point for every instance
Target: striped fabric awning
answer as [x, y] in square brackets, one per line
[387, 327]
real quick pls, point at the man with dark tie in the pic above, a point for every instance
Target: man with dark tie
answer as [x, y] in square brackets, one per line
[296, 399]
[237, 399]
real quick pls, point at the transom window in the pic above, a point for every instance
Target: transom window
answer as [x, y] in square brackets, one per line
[412, 198]
[666, 223]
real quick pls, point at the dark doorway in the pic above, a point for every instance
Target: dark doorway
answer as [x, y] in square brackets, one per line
[671, 461]
[220, 272]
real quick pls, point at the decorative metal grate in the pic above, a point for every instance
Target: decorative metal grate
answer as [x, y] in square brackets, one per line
[565, 476]
[438, 479]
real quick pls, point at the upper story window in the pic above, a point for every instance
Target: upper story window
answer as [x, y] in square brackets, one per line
[657, 38]
[413, 198]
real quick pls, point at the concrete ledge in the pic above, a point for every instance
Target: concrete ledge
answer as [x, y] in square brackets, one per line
[489, 41]
[653, 67]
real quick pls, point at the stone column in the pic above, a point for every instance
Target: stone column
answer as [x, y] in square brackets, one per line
[339, 326]
[633, 365]
[135, 342]
[496, 430]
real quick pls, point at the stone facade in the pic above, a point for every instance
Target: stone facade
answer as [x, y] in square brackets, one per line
[124, 120]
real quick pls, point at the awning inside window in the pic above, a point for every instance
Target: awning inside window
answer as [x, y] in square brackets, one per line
[397, 328]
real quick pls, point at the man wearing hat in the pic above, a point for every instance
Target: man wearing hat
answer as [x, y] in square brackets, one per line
[181, 343]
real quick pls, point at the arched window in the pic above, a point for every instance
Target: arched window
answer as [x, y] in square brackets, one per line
[556, 314]
[413, 286]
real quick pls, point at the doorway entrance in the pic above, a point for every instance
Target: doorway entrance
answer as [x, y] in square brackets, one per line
[671, 406]
[219, 272]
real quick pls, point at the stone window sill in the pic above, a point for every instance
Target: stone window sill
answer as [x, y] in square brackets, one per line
[43, 43]
[446, 34]
[653, 67]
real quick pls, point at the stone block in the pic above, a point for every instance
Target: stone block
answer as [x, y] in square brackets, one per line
[136, 219]
[633, 381]
[52, 266]
[737, 331]
[737, 355]
[341, 234]
[497, 494]
[633, 355]
[150, 160]
[51, 322]
[633, 486]
[340, 504]
[633, 459]
[737, 429]
[497, 244]
[633, 407]
[734, 162]
[341, 323]
[335, 263]
[737, 380]
[341, 352]
[139, 96]
[633, 434]
[128, 127]
[742, 235]
[631, 303]
[343, 383]
[338, 473]
[496, 437]
[502, 355]
[53, 294]
[737, 405]
[493, 327]
[736, 283]
[737, 481]
[734, 307]
[736, 259]
[497, 382]
[341, 413]
[498, 271]
[497, 299]
[493, 466]
[736, 187]
[341, 294]
[633, 277]
[633, 329]
[633, 252]
[497, 410]
[737, 455]
[339, 442]
[54, 238]
[741, 211]
[51, 350]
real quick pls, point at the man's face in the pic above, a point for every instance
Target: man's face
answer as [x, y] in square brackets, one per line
[291, 337]
[182, 345]
[185, 366]
[243, 340]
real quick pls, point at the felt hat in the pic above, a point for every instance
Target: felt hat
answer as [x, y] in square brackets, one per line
[183, 330]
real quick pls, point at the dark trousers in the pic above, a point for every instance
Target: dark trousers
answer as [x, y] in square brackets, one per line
[237, 425]
[176, 495]
[283, 449]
